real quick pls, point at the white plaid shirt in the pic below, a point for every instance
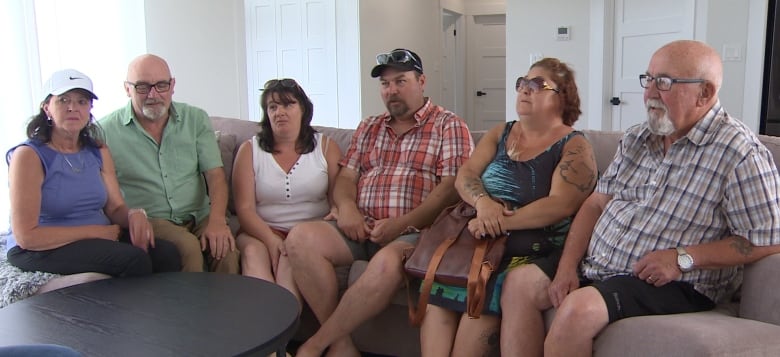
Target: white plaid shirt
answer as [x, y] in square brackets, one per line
[718, 180]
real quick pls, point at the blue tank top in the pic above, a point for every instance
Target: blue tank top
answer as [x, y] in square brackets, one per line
[519, 183]
[72, 193]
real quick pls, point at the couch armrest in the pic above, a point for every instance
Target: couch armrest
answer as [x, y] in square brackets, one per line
[760, 297]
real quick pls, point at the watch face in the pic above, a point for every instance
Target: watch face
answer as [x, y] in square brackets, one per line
[685, 261]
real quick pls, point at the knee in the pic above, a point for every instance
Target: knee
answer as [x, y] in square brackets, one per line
[387, 264]
[526, 286]
[139, 264]
[253, 249]
[577, 307]
[304, 239]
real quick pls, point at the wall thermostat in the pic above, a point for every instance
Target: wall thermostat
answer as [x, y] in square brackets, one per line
[563, 33]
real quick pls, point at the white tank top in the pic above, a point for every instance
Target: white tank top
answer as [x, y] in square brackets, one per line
[284, 199]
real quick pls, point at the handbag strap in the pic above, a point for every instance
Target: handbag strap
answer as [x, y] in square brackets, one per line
[475, 289]
[416, 315]
[479, 274]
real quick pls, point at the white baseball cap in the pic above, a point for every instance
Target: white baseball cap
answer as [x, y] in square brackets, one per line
[65, 80]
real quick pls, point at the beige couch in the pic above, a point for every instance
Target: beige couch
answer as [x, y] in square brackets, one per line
[747, 328]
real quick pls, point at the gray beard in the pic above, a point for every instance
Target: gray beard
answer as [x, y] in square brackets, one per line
[660, 126]
[152, 114]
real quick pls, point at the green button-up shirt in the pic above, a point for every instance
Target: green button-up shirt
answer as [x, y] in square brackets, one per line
[166, 179]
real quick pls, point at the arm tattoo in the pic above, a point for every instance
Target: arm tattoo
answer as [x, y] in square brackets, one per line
[474, 187]
[576, 171]
[742, 246]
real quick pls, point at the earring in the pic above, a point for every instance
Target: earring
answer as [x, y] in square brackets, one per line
[49, 121]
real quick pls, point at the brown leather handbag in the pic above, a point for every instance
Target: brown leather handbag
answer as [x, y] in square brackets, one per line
[448, 253]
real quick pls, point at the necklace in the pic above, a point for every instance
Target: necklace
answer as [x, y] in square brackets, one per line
[73, 168]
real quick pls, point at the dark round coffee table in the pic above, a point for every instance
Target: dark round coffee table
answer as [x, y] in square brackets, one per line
[170, 314]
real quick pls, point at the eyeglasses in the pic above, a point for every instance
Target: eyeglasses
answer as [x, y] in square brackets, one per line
[284, 82]
[399, 56]
[534, 84]
[144, 88]
[664, 83]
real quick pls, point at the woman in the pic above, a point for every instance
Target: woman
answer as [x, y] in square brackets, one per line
[282, 176]
[527, 177]
[68, 211]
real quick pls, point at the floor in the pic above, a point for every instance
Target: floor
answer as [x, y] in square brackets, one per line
[293, 346]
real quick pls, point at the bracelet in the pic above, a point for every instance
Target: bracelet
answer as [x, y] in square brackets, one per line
[477, 199]
[133, 211]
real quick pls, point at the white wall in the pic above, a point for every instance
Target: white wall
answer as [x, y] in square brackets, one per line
[386, 25]
[531, 27]
[725, 22]
[203, 42]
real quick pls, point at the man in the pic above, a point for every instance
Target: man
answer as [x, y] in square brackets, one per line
[163, 150]
[690, 197]
[396, 177]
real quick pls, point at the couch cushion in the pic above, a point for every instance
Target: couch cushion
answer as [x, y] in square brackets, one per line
[710, 333]
[760, 298]
[605, 145]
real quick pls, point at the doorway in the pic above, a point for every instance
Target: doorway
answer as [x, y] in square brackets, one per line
[487, 54]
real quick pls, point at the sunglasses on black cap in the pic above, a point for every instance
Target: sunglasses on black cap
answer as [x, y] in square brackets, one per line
[399, 56]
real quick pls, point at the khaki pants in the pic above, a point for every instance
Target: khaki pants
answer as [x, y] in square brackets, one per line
[186, 239]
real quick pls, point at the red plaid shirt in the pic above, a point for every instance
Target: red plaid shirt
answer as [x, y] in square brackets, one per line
[398, 172]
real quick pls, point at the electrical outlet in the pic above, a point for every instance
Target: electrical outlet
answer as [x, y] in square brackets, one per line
[535, 57]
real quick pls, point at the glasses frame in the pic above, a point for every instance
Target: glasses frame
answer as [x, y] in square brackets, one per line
[645, 79]
[284, 82]
[399, 56]
[535, 84]
[149, 86]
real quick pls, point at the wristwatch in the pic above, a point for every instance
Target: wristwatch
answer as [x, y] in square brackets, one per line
[684, 260]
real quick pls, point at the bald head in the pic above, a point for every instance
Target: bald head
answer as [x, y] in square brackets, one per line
[693, 59]
[147, 65]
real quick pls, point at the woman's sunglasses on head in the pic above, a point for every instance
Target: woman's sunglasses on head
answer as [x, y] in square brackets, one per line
[284, 82]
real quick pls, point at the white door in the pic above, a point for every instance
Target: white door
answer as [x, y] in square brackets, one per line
[487, 48]
[293, 39]
[641, 27]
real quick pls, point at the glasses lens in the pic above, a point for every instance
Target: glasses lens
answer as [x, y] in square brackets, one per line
[643, 79]
[663, 83]
[399, 56]
[162, 86]
[534, 84]
[142, 88]
[537, 84]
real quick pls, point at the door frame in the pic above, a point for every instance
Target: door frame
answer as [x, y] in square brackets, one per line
[459, 58]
